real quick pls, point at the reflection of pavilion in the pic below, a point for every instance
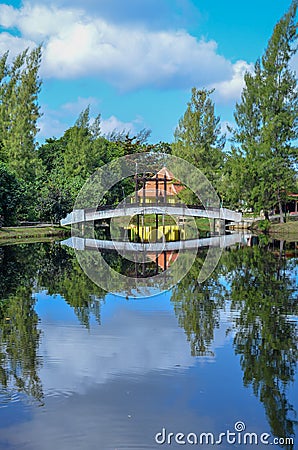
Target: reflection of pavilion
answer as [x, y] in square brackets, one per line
[142, 233]
[162, 187]
[164, 259]
[152, 258]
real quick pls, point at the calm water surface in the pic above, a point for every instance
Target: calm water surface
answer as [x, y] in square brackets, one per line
[82, 369]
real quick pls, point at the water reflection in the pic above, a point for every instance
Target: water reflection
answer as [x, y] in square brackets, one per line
[197, 306]
[264, 292]
[250, 299]
[19, 335]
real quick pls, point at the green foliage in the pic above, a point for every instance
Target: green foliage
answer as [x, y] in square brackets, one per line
[198, 137]
[264, 225]
[54, 204]
[267, 124]
[24, 270]
[10, 196]
[19, 333]
[258, 171]
[69, 161]
[264, 294]
[19, 110]
[197, 306]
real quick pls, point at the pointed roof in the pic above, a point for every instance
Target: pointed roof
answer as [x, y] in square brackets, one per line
[173, 185]
[164, 172]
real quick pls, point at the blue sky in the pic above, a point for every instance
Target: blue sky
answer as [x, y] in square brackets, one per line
[135, 61]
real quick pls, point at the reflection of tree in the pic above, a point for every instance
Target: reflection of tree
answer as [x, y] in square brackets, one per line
[23, 270]
[62, 274]
[19, 341]
[197, 306]
[19, 335]
[265, 295]
[18, 266]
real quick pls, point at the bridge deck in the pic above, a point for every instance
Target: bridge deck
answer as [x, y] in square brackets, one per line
[96, 244]
[107, 212]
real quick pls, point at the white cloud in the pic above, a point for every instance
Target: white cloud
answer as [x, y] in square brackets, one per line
[14, 44]
[231, 89]
[52, 122]
[76, 44]
[37, 21]
[8, 15]
[225, 128]
[50, 126]
[112, 123]
[294, 63]
[79, 105]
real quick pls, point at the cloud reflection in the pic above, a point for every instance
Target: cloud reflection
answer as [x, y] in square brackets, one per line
[130, 343]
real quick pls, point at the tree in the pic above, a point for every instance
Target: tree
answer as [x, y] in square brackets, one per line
[10, 196]
[3, 75]
[198, 137]
[54, 204]
[84, 149]
[267, 121]
[77, 151]
[20, 112]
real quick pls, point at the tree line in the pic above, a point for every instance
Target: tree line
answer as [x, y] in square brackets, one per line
[41, 182]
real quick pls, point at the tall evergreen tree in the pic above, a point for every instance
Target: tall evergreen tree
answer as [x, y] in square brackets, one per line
[80, 155]
[267, 121]
[198, 137]
[3, 75]
[10, 196]
[20, 112]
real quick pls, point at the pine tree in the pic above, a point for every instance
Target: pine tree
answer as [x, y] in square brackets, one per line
[198, 137]
[19, 114]
[267, 120]
[3, 75]
[78, 149]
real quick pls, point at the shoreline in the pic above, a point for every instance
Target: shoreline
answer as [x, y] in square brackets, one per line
[9, 234]
[287, 231]
[21, 234]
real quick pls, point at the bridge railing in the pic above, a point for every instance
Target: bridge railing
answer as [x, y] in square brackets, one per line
[77, 216]
[151, 204]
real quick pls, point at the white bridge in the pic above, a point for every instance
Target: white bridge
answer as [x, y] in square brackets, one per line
[108, 212]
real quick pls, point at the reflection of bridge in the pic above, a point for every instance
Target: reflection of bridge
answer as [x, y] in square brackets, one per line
[98, 244]
[131, 209]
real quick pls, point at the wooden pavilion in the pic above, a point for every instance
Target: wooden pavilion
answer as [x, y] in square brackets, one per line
[161, 188]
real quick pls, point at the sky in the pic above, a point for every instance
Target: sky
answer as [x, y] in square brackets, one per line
[135, 61]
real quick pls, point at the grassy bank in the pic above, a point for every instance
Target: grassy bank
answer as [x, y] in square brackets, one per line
[8, 234]
[288, 230]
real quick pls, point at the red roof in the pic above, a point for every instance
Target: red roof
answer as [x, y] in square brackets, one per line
[173, 186]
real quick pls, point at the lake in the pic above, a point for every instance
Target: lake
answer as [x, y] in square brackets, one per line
[199, 365]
